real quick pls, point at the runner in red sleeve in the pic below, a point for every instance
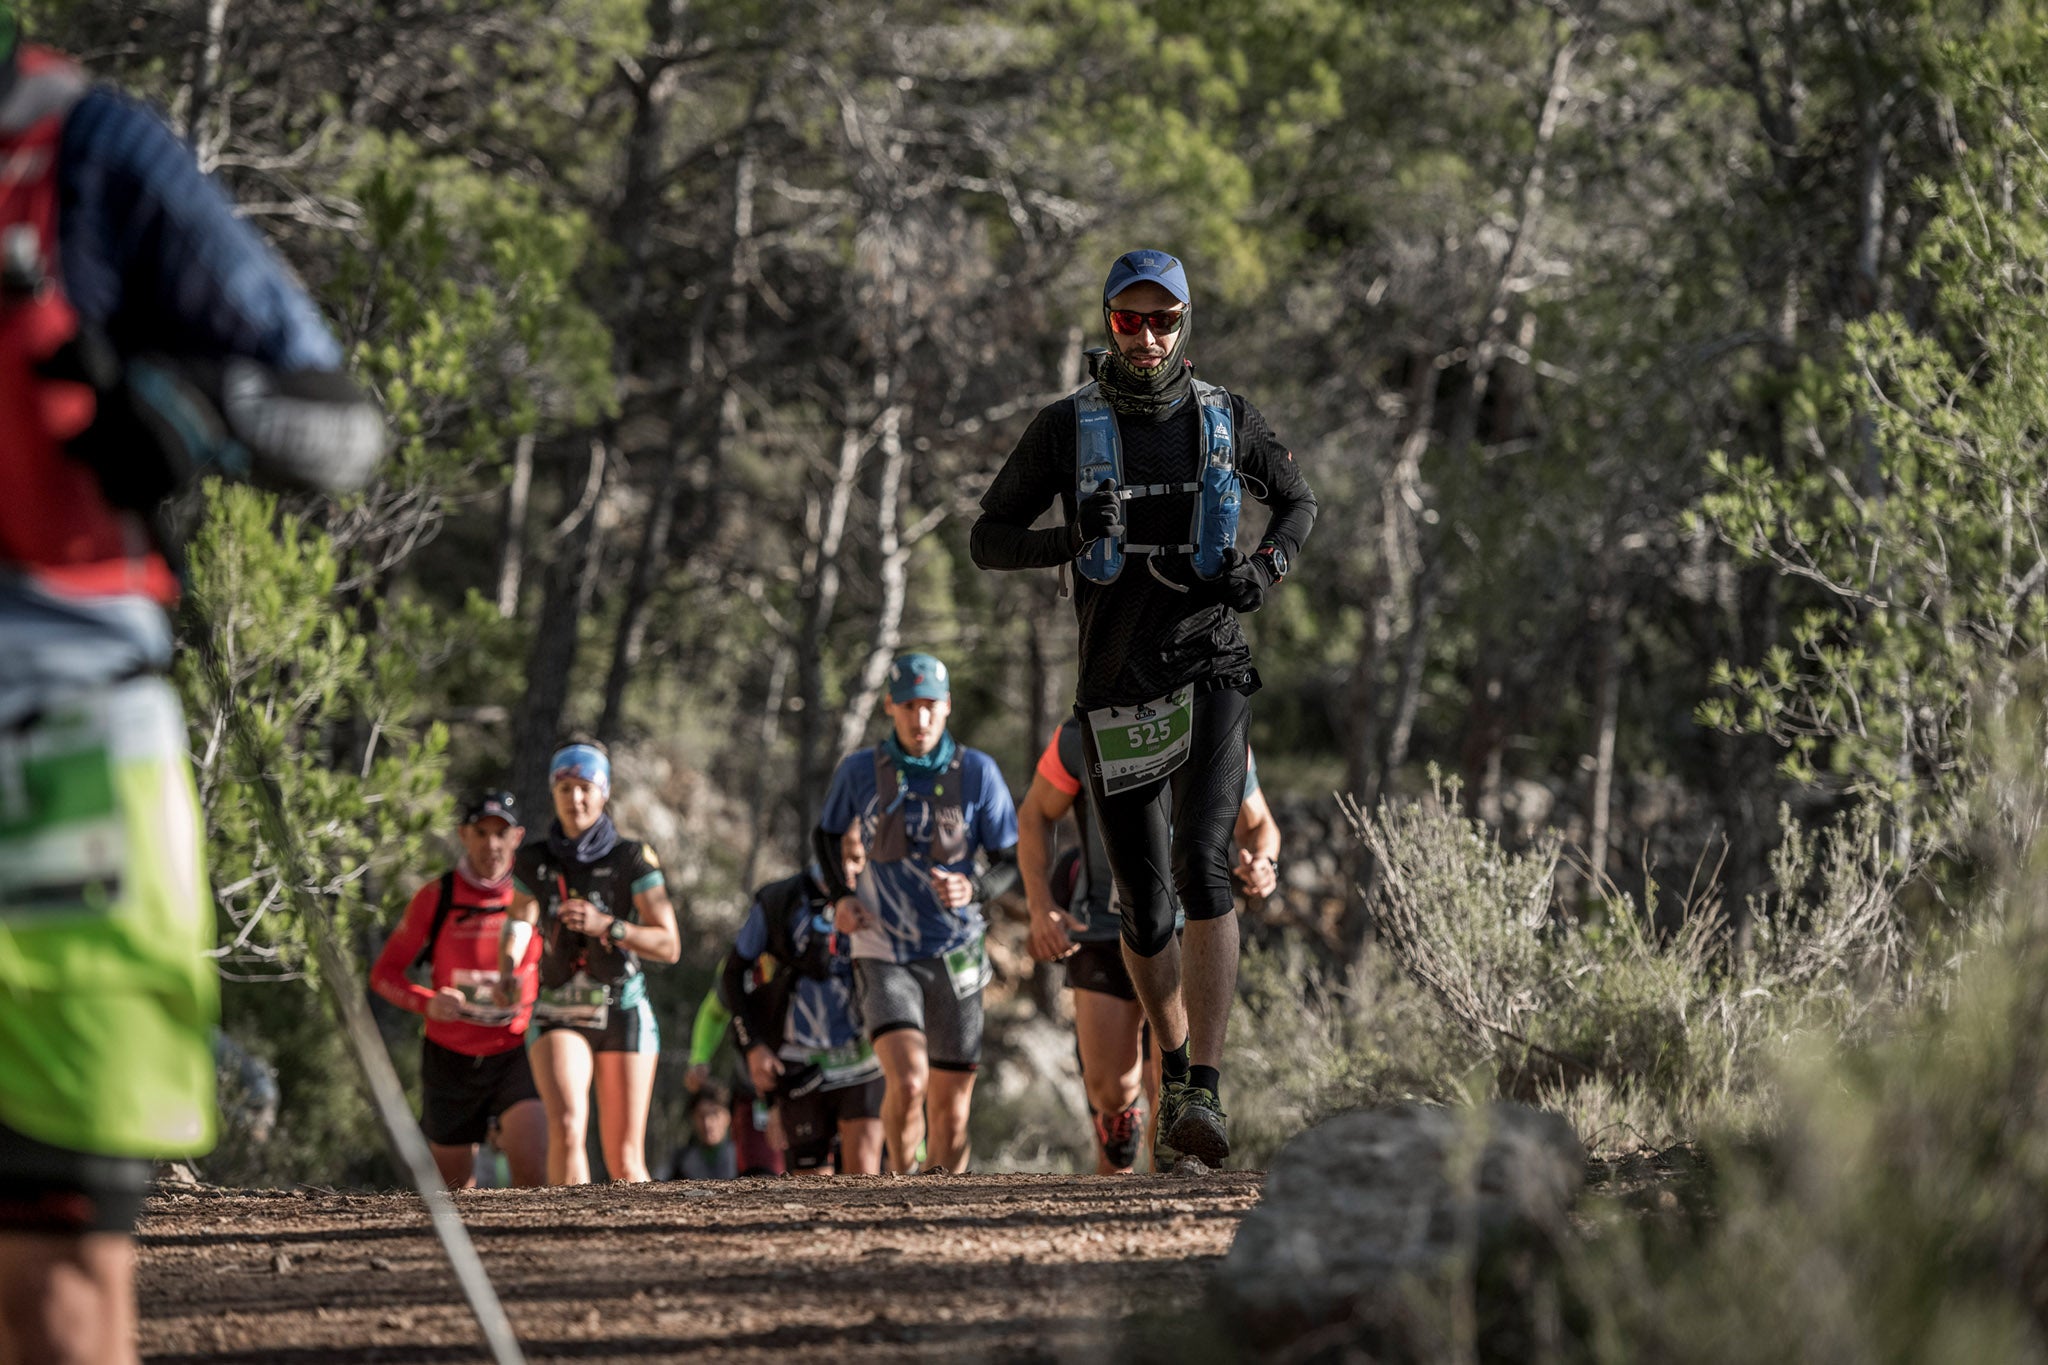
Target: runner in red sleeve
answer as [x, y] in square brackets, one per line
[473, 1066]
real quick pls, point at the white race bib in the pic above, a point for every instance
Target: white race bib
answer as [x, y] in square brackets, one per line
[1135, 745]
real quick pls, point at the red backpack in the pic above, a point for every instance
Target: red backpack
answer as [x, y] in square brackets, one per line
[55, 522]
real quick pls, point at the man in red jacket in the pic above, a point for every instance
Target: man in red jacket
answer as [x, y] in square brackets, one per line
[473, 1061]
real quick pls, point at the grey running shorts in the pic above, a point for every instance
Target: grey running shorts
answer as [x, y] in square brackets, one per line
[919, 995]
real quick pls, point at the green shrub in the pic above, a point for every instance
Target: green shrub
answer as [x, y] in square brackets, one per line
[1643, 1036]
[1893, 1214]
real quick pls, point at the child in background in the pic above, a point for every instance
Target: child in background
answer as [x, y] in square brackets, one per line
[709, 1154]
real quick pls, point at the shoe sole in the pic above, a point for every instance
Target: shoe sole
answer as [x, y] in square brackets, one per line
[1193, 1137]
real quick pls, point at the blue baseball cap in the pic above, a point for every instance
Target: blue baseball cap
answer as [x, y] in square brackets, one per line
[918, 675]
[1135, 267]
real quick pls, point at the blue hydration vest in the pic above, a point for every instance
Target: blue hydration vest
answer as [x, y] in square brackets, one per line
[1099, 458]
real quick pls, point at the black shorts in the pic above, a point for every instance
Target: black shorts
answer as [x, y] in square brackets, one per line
[45, 1189]
[1099, 967]
[461, 1094]
[628, 1029]
[810, 1121]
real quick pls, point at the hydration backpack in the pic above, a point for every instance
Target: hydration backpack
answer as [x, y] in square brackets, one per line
[1217, 489]
[55, 522]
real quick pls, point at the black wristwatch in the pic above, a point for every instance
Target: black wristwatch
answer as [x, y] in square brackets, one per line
[616, 930]
[1276, 560]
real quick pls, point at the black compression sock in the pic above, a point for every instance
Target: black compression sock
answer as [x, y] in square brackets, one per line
[1206, 1077]
[1174, 1064]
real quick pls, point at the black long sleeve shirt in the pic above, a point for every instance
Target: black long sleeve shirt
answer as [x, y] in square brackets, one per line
[1139, 638]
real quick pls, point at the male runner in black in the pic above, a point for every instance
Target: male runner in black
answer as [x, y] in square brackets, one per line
[1165, 673]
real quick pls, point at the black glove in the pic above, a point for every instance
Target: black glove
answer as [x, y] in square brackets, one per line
[1246, 580]
[156, 428]
[1240, 585]
[1100, 516]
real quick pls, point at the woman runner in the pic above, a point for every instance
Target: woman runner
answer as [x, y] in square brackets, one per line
[602, 906]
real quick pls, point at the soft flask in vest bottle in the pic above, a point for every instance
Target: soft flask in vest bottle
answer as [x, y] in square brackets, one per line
[1222, 492]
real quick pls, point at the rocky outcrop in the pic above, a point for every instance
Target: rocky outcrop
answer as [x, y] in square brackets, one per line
[1415, 1233]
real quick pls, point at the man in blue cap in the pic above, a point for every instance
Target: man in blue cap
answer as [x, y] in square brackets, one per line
[921, 806]
[1148, 465]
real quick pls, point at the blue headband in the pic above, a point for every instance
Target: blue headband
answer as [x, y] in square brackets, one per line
[584, 761]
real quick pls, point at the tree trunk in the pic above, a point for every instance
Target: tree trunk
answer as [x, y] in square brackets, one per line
[822, 578]
[893, 575]
[1414, 657]
[1039, 625]
[205, 89]
[760, 810]
[1608, 613]
[551, 660]
[512, 532]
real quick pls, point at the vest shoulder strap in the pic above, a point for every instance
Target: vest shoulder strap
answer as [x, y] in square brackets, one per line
[444, 903]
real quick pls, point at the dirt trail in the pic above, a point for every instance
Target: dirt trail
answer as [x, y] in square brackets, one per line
[1001, 1267]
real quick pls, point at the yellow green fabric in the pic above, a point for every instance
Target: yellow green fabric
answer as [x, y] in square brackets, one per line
[107, 1001]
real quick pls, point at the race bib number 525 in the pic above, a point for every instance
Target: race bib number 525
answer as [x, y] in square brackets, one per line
[1140, 744]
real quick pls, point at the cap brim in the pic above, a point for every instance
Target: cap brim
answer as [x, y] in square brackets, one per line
[1115, 287]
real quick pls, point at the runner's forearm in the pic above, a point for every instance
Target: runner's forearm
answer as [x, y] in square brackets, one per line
[997, 544]
[831, 861]
[731, 988]
[1000, 875]
[1034, 854]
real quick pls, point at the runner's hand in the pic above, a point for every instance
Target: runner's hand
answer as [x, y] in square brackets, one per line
[1257, 874]
[446, 1005]
[764, 1069]
[583, 917]
[1244, 580]
[853, 853]
[849, 915]
[696, 1076]
[1050, 934]
[1100, 515]
[952, 889]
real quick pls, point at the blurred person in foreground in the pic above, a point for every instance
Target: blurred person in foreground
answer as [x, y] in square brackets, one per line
[473, 1067]
[148, 337]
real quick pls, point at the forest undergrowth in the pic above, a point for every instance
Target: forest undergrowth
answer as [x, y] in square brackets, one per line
[1648, 1023]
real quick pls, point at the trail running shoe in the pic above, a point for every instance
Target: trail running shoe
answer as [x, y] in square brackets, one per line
[1119, 1134]
[1191, 1122]
[1172, 1099]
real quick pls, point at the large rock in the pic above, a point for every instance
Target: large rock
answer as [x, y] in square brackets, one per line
[1417, 1233]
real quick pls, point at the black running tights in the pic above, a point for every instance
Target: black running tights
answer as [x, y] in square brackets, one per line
[1175, 833]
